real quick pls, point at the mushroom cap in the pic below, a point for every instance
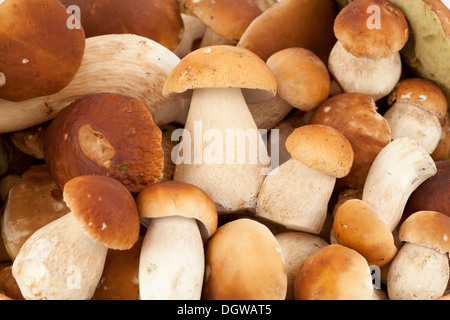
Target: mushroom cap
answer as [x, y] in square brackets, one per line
[223, 66]
[175, 198]
[353, 28]
[335, 272]
[356, 225]
[244, 262]
[40, 55]
[123, 143]
[423, 93]
[105, 209]
[355, 115]
[322, 148]
[159, 20]
[428, 228]
[302, 78]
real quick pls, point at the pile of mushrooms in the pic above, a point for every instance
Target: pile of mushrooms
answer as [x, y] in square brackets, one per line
[221, 150]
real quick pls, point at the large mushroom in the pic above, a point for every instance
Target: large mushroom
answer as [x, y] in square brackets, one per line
[179, 216]
[222, 151]
[64, 260]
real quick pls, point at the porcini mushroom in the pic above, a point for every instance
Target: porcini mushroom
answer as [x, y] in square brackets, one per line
[244, 262]
[335, 272]
[40, 54]
[418, 109]
[222, 80]
[64, 260]
[396, 172]
[420, 270]
[179, 216]
[366, 57]
[297, 194]
[124, 143]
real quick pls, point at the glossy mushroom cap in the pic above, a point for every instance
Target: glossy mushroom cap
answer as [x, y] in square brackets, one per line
[223, 66]
[105, 209]
[40, 55]
[363, 37]
[105, 134]
[174, 198]
[322, 148]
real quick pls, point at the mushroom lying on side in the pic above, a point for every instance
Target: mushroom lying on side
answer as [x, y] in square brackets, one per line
[296, 194]
[179, 217]
[64, 260]
[420, 270]
[366, 57]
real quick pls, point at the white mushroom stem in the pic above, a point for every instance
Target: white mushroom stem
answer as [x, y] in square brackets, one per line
[222, 151]
[59, 262]
[296, 196]
[396, 172]
[418, 273]
[171, 265]
[408, 120]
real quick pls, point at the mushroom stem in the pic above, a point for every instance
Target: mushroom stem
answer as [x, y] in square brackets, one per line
[171, 264]
[59, 261]
[228, 158]
[396, 172]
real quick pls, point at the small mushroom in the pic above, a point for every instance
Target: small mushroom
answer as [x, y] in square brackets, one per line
[418, 110]
[296, 195]
[244, 262]
[356, 116]
[366, 57]
[222, 151]
[356, 225]
[64, 260]
[40, 55]
[296, 248]
[124, 143]
[420, 270]
[335, 272]
[30, 140]
[179, 216]
[396, 172]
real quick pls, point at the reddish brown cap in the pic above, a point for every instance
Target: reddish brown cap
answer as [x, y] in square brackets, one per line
[40, 55]
[105, 134]
[105, 209]
[371, 28]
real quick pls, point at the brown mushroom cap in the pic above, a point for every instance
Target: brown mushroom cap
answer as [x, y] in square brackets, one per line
[322, 148]
[244, 262]
[355, 115]
[105, 209]
[423, 93]
[40, 55]
[302, 78]
[428, 228]
[356, 225]
[8, 284]
[175, 198]
[159, 20]
[335, 272]
[105, 134]
[353, 28]
[223, 66]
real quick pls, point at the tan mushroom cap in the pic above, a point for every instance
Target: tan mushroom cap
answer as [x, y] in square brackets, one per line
[175, 198]
[302, 78]
[335, 272]
[105, 209]
[356, 28]
[105, 134]
[428, 228]
[322, 148]
[423, 93]
[244, 262]
[223, 66]
[356, 225]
